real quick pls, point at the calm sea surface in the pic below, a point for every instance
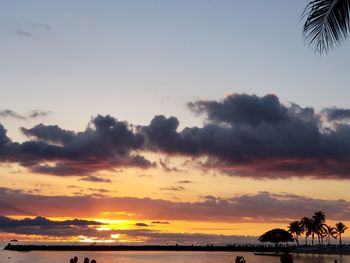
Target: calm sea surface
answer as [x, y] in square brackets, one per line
[157, 257]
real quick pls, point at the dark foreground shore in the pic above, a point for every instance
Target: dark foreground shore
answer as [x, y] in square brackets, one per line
[229, 248]
[210, 248]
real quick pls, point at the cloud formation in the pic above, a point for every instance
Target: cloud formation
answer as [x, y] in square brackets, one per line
[185, 182]
[29, 29]
[44, 227]
[95, 179]
[259, 207]
[243, 135]
[23, 33]
[141, 224]
[31, 115]
[39, 221]
[173, 188]
[242, 109]
[247, 135]
[79, 228]
[160, 222]
[337, 114]
[105, 145]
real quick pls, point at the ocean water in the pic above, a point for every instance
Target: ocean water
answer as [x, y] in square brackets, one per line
[157, 257]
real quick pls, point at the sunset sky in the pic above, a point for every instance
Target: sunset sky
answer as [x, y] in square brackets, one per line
[180, 121]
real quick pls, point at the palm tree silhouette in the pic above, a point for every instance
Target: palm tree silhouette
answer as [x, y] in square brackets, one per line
[296, 229]
[316, 225]
[319, 219]
[330, 232]
[327, 23]
[340, 228]
[307, 226]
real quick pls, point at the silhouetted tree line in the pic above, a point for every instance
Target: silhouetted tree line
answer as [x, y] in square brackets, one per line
[316, 227]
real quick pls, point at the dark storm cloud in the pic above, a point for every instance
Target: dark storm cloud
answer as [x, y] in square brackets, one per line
[336, 114]
[243, 135]
[43, 226]
[246, 135]
[257, 207]
[250, 138]
[6, 222]
[242, 109]
[50, 133]
[162, 135]
[105, 145]
[6, 146]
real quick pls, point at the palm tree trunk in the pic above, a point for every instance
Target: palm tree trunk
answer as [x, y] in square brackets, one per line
[339, 239]
[305, 240]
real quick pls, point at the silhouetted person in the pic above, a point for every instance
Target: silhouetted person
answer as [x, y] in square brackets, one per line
[240, 259]
[286, 257]
[71, 261]
[86, 260]
[75, 259]
[93, 261]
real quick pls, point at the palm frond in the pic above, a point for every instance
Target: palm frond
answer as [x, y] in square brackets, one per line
[327, 23]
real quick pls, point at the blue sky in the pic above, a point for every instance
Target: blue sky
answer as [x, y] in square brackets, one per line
[135, 59]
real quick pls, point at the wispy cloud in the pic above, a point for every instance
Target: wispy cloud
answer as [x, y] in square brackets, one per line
[160, 222]
[173, 188]
[27, 29]
[40, 25]
[23, 33]
[141, 224]
[31, 115]
[185, 182]
[95, 179]
[164, 164]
